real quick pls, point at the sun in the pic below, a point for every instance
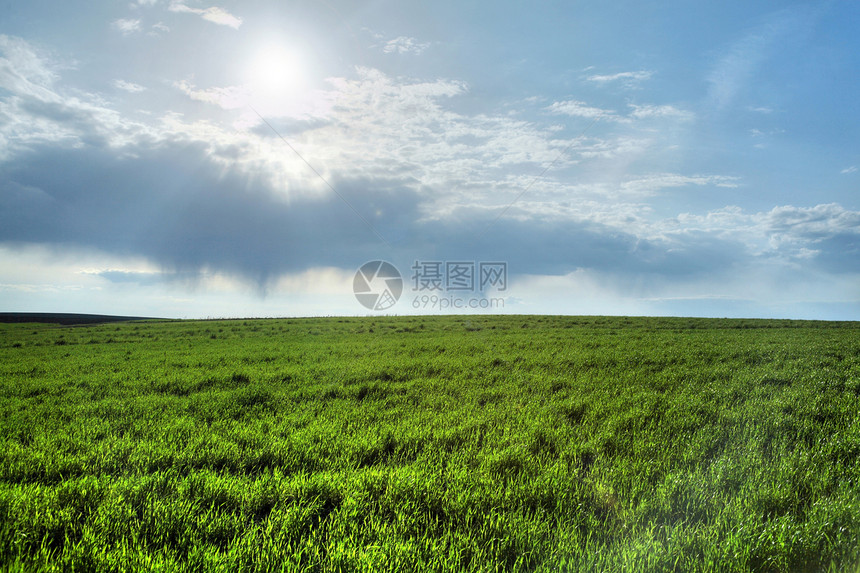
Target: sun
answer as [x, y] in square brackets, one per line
[276, 70]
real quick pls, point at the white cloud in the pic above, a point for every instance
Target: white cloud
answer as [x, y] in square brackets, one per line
[127, 25]
[405, 45]
[736, 67]
[650, 184]
[37, 112]
[813, 222]
[627, 78]
[407, 124]
[222, 17]
[660, 111]
[787, 233]
[373, 34]
[849, 170]
[160, 27]
[576, 108]
[581, 109]
[213, 14]
[229, 97]
[130, 87]
[22, 70]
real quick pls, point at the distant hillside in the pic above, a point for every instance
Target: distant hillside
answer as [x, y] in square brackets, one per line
[65, 318]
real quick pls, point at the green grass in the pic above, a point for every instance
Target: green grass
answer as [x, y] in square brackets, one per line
[504, 443]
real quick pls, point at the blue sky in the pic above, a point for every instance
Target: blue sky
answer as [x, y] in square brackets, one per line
[197, 159]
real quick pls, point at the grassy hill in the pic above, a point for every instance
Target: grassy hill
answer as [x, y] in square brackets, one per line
[64, 318]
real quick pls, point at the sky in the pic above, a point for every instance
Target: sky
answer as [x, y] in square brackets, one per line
[202, 159]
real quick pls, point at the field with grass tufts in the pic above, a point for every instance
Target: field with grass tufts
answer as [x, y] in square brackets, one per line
[450, 443]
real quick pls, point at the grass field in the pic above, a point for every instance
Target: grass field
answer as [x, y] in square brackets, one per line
[505, 443]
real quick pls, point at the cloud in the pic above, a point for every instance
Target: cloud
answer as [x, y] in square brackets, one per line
[825, 235]
[398, 45]
[405, 45]
[660, 111]
[222, 17]
[628, 79]
[649, 185]
[22, 69]
[130, 87]
[213, 14]
[196, 197]
[737, 65]
[377, 124]
[230, 97]
[34, 112]
[175, 203]
[849, 170]
[576, 108]
[127, 25]
[821, 221]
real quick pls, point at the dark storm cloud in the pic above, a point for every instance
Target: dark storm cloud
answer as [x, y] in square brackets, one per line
[173, 204]
[177, 205]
